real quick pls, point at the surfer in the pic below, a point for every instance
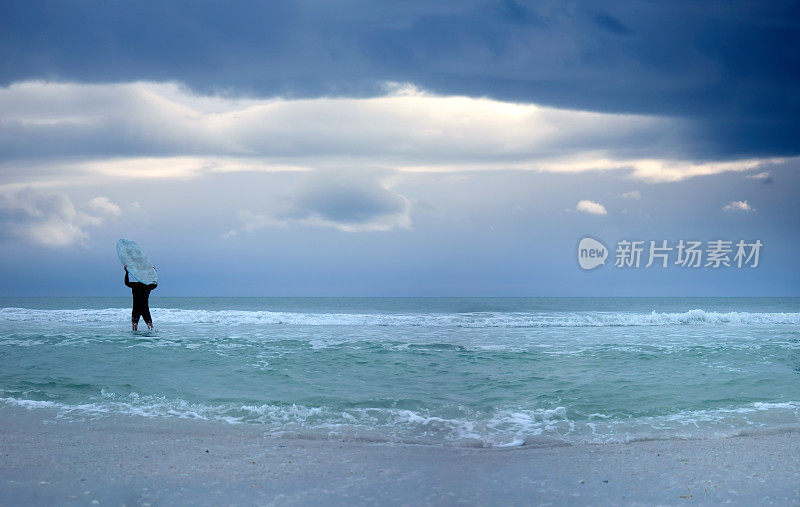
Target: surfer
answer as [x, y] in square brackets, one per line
[141, 294]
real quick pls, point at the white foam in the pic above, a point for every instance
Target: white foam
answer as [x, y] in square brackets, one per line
[505, 428]
[464, 320]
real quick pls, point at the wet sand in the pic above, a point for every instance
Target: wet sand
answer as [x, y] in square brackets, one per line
[46, 460]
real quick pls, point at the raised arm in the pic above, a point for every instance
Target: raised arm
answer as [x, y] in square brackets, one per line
[152, 285]
[127, 281]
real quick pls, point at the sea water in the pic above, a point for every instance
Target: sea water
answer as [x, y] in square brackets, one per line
[438, 371]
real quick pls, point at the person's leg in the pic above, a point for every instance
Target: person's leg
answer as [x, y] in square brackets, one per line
[147, 319]
[135, 319]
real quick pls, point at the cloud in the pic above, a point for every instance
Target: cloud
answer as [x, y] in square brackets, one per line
[633, 194]
[60, 131]
[50, 219]
[350, 201]
[564, 54]
[764, 176]
[591, 207]
[738, 206]
[104, 207]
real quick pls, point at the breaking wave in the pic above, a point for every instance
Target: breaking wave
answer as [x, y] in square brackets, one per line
[464, 320]
[502, 428]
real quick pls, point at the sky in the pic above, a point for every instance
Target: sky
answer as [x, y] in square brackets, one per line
[415, 148]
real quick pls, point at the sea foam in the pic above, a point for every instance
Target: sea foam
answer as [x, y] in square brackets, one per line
[464, 320]
[503, 428]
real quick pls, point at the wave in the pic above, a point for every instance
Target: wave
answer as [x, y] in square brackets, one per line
[464, 320]
[510, 427]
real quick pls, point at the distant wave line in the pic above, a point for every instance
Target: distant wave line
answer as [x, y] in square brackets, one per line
[465, 320]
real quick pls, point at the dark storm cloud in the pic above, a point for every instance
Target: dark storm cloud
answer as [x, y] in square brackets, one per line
[354, 201]
[345, 199]
[733, 67]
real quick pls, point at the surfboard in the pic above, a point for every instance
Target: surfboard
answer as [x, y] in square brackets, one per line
[139, 266]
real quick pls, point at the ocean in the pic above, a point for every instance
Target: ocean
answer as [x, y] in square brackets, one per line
[475, 372]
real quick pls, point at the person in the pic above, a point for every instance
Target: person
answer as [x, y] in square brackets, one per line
[141, 294]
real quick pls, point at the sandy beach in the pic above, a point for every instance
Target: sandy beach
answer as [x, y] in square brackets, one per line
[47, 460]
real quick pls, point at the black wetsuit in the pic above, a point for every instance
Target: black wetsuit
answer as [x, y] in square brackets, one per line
[141, 293]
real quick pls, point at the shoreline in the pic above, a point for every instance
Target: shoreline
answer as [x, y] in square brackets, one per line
[137, 461]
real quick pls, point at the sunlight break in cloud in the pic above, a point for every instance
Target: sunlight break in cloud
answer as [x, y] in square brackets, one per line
[591, 207]
[57, 131]
[738, 206]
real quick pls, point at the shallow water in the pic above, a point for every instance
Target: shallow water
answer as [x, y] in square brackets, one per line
[454, 371]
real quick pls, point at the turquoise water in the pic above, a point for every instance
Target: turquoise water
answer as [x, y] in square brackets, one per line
[444, 371]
